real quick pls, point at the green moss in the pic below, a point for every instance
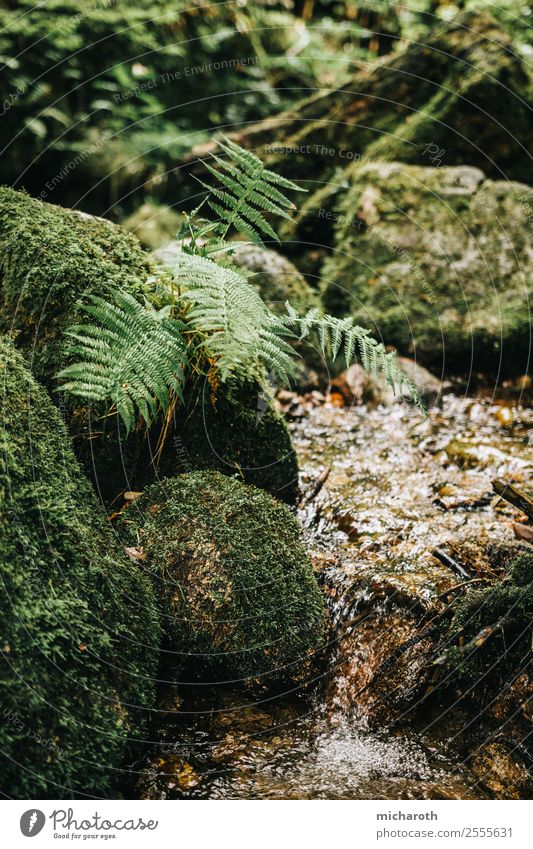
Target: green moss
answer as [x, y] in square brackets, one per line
[237, 592]
[495, 624]
[238, 432]
[423, 258]
[80, 632]
[50, 259]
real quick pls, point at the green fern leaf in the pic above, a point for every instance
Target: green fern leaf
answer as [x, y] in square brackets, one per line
[132, 356]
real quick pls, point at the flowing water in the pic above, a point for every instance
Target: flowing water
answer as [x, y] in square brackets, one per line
[398, 487]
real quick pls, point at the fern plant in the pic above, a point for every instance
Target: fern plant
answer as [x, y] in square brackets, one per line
[137, 357]
[134, 357]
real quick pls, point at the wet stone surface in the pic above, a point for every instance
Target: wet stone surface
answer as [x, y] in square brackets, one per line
[399, 487]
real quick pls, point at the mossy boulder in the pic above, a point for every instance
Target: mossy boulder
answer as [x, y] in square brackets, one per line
[53, 258]
[238, 597]
[50, 260]
[276, 278]
[153, 224]
[79, 625]
[235, 429]
[436, 262]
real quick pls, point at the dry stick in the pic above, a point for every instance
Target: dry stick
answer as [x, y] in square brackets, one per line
[461, 586]
[450, 563]
[317, 486]
[514, 496]
[477, 641]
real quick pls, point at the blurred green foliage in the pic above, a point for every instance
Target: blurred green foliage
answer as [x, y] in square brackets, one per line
[104, 96]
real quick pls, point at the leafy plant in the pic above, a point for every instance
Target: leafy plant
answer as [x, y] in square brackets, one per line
[137, 356]
[134, 357]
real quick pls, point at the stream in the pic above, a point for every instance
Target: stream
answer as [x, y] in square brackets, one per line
[399, 486]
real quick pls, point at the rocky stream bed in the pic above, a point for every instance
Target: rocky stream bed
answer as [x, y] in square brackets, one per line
[383, 489]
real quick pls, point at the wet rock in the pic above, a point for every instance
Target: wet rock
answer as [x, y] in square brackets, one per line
[238, 598]
[502, 772]
[478, 453]
[276, 279]
[153, 225]
[350, 385]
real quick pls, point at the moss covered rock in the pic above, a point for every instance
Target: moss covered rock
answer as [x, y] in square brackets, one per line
[50, 259]
[436, 261]
[276, 278]
[234, 429]
[153, 224]
[79, 626]
[237, 592]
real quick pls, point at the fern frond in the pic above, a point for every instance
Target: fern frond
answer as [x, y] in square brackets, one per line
[245, 190]
[132, 356]
[236, 325]
[336, 333]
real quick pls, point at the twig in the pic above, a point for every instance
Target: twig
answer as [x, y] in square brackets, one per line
[450, 563]
[317, 486]
[460, 586]
[514, 496]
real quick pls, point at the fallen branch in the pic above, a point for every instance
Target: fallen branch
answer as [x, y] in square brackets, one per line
[315, 488]
[477, 642]
[514, 496]
[450, 563]
[461, 586]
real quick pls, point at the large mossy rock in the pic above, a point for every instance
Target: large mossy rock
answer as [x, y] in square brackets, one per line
[236, 430]
[50, 260]
[238, 596]
[437, 262]
[79, 627]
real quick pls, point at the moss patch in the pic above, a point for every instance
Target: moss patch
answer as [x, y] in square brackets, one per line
[50, 259]
[80, 633]
[235, 430]
[237, 592]
[436, 261]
